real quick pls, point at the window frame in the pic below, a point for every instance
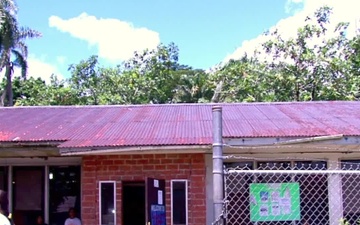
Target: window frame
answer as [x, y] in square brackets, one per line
[100, 199]
[186, 199]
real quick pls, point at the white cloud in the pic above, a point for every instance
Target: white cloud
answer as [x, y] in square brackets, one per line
[343, 11]
[37, 67]
[115, 39]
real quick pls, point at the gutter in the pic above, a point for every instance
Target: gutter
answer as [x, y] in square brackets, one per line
[172, 149]
[311, 139]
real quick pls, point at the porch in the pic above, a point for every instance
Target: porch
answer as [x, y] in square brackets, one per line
[41, 186]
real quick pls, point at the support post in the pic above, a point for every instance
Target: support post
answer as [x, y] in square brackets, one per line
[335, 192]
[218, 178]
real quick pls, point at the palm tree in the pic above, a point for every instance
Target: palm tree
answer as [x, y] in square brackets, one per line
[13, 50]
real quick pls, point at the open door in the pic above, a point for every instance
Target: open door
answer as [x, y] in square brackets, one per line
[155, 202]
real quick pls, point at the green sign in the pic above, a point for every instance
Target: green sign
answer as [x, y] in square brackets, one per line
[274, 202]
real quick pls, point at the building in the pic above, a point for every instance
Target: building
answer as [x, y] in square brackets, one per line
[113, 162]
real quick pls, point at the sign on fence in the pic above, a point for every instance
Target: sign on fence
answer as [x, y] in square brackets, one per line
[274, 202]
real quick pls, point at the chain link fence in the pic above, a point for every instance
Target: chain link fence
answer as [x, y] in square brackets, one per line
[291, 193]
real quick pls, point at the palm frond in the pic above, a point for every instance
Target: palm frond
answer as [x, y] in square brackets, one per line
[8, 31]
[25, 33]
[20, 61]
[23, 49]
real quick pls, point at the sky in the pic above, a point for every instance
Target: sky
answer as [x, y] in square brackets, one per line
[207, 32]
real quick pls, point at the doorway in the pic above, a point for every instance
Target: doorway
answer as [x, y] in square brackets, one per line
[64, 192]
[133, 203]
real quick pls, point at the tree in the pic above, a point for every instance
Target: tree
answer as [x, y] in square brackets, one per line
[156, 68]
[241, 80]
[308, 67]
[317, 66]
[33, 91]
[12, 46]
[86, 80]
[193, 86]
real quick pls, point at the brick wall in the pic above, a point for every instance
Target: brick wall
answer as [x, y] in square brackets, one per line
[136, 168]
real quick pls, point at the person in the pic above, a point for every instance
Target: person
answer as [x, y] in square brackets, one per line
[4, 209]
[72, 220]
[40, 220]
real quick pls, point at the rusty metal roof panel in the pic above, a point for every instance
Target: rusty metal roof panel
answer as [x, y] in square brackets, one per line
[182, 124]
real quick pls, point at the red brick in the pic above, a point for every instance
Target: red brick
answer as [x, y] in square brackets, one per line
[172, 167]
[142, 161]
[107, 162]
[148, 167]
[118, 162]
[164, 161]
[160, 167]
[149, 156]
[172, 156]
[154, 161]
[113, 168]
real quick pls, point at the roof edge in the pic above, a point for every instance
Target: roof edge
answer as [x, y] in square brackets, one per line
[30, 143]
[179, 104]
[138, 150]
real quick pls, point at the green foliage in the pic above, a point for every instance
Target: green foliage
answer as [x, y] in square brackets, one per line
[35, 92]
[307, 67]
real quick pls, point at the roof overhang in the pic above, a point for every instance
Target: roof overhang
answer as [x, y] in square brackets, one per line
[326, 139]
[332, 143]
[29, 149]
[319, 144]
[165, 149]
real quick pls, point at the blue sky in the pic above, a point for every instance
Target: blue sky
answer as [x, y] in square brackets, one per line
[206, 31]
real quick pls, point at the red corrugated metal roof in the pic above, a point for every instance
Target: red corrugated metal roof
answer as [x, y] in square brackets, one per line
[180, 124]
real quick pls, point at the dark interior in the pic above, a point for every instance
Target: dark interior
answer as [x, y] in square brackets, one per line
[64, 183]
[28, 199]
[133, 203]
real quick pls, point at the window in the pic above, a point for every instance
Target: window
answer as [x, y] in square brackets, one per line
[107, 202]
[179, 202]
[4, 178]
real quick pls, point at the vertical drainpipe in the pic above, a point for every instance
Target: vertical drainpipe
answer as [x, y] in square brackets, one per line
[10, 189]
[46, 195]
[218, 179]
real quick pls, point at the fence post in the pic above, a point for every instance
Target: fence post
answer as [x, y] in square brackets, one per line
[218, 178]
[335, 192]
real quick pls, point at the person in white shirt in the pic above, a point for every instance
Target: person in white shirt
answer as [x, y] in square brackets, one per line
[4, 220]
[72, 220]
[4, 209]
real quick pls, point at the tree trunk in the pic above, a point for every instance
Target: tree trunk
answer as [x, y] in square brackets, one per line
[2, 98]
[8, 90]
[217, 92]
